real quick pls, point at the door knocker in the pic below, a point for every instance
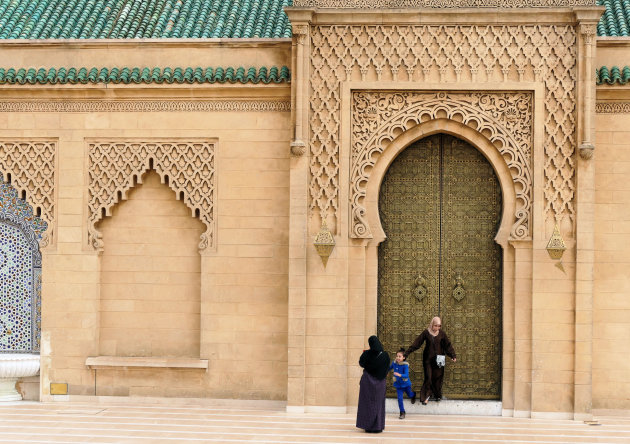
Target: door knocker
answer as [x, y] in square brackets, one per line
[420, 290]
[459, 292]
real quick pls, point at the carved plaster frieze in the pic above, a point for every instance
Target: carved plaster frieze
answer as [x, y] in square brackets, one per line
[504, 118]
[78, 106]
[441, 4]
[116, 166]
[612, 107]
[453, 54]
[29, 166]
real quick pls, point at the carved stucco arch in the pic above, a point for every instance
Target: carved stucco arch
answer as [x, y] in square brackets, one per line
[463, 132]
[187, 166]
[503, 121]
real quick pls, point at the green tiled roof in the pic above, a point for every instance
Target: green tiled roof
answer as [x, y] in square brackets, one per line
[128, 19]
[615, 21]
[613, 75]
[42, 76]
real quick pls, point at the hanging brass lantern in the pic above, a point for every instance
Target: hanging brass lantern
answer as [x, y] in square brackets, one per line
[556, 245]
[324, 243]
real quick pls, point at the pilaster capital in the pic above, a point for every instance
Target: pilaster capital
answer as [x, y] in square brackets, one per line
[588, 31]
[300, 32]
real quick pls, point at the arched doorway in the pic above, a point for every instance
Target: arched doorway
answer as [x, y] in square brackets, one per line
[440, 207]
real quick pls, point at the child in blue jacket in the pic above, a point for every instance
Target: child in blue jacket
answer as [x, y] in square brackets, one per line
[402, 384]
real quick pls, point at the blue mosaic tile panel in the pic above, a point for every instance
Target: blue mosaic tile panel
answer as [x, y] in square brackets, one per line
[16, 286]
[20, 273]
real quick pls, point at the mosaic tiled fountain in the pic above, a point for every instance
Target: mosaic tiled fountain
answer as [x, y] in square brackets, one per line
[20, 291]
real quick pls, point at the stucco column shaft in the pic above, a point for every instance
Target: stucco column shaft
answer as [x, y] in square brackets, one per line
[298, 225]
[522, 328]
[585, 220]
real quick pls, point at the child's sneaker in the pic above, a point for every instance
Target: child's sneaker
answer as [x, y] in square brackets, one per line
[402, 415]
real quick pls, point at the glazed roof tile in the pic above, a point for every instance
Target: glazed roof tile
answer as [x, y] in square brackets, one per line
[128, 19]
[42, 76]
[615, 21]
[614, 75]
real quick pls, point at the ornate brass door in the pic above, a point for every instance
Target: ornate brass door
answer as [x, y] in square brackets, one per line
[440, 206]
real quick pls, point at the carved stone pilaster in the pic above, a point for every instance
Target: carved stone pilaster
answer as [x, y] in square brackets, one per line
[587, 31]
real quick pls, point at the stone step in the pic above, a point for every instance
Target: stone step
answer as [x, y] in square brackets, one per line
[447, 407]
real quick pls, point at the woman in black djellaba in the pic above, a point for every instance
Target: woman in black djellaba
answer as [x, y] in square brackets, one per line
[371, 411]
[437, 343]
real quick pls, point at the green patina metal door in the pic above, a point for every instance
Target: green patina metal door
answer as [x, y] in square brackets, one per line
[440, 207]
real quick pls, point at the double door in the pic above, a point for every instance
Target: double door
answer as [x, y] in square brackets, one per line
[440, 207]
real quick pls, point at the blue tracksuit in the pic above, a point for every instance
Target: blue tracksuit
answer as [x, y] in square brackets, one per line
[402, 384]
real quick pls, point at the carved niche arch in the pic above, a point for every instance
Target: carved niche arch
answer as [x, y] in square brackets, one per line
[187, 166]
[20, 260]
[504, 119]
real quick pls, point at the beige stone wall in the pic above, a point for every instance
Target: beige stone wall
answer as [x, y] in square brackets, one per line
[235, 313]
[611, 302]
[150, 275]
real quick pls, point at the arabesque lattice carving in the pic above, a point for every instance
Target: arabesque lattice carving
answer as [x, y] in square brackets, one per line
[29, 165]
[187, 166]
[447, 54]
[504, 118]
[376, 4]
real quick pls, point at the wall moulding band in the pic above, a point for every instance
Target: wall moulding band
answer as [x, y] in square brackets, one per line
[613, 107]
[378, 4]
[116, 166]
[78, 106]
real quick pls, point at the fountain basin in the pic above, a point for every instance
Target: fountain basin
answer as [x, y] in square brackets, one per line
[12, 367]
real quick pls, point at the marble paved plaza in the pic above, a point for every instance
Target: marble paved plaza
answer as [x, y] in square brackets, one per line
[30, 422]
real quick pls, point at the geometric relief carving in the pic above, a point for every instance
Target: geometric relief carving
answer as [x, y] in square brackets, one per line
[187, 166]
[29, 166]
[446, 54]
[504, 118]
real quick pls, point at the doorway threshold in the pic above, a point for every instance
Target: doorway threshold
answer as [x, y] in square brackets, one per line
[448, 407]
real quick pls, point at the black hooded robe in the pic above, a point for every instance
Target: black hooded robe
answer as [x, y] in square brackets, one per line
[371, 410]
